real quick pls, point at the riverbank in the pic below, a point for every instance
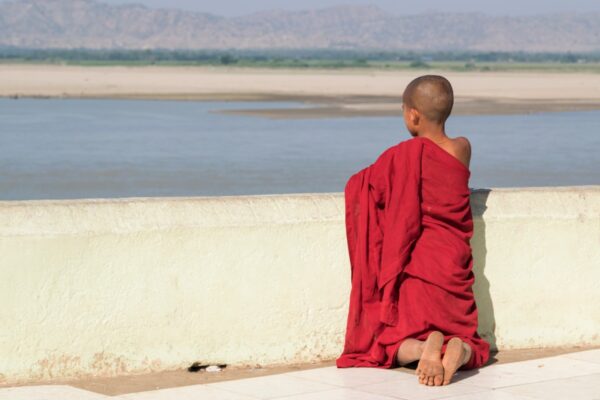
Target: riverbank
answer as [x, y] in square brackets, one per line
[328, 93]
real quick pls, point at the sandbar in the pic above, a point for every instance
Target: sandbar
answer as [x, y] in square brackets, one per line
[322, 93]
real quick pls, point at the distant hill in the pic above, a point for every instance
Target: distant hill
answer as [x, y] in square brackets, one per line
[95, 25]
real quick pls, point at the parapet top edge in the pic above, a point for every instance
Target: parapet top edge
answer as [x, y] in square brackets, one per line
[157, 199]
[160, 199]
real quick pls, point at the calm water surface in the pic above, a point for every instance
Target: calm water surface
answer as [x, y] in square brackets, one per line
[55, 149]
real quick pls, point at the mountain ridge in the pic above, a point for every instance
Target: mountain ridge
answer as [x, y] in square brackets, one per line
[96, 25]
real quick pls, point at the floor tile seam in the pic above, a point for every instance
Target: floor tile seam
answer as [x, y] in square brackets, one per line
[480, 390]
[525, 396]
[560, 358]
[546, 359]
[538, 381]
[237, 393]
[353, 386]
[384, 397]
[579, 359]
[450, 396]
[489, 390]
[202, 386]
[460, 383]
[490, 369]
[333, 387]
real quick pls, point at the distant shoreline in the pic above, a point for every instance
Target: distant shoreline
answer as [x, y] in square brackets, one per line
[326, 93]
[336, 107]
[332, 65]
[390, 107]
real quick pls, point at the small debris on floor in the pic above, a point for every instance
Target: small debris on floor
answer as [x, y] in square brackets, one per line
[195, 367]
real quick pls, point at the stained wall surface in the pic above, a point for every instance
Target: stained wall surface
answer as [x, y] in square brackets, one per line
[125, 286]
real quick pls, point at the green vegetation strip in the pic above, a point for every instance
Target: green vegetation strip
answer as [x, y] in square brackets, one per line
[311, 59]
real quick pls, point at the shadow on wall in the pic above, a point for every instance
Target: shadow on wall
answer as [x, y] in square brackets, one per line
[485, 307]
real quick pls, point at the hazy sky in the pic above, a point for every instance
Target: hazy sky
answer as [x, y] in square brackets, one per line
[512, 7]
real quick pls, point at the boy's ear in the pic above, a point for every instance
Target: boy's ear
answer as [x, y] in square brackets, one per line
[415, 116]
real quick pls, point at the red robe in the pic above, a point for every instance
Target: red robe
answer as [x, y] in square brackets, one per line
[408, 227]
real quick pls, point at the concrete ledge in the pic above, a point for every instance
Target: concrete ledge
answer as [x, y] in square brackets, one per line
[128, 286]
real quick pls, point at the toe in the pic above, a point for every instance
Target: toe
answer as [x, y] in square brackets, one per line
[438, 380]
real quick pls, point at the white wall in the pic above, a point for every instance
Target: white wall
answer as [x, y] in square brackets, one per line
[124, 286]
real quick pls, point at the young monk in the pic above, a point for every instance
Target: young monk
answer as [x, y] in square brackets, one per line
[408, 227]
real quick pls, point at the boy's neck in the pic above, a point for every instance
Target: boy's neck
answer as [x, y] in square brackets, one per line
[433, 132]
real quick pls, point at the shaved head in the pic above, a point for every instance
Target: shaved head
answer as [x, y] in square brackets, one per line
[432, 96]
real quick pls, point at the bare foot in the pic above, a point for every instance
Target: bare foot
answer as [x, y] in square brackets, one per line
[430, 368]
[457, 353]
[409, 351]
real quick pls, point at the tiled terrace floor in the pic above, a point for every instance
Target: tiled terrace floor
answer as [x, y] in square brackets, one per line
[572, 376]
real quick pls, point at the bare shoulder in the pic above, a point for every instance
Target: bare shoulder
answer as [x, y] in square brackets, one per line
[462, 145]
[462, 149]
[463, 142]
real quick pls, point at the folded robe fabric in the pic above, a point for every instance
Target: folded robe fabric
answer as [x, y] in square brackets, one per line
[408, 227]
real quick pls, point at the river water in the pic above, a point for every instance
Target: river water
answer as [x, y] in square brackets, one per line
[57, 149]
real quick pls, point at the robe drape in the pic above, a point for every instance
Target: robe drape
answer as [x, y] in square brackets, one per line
[408, 229]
